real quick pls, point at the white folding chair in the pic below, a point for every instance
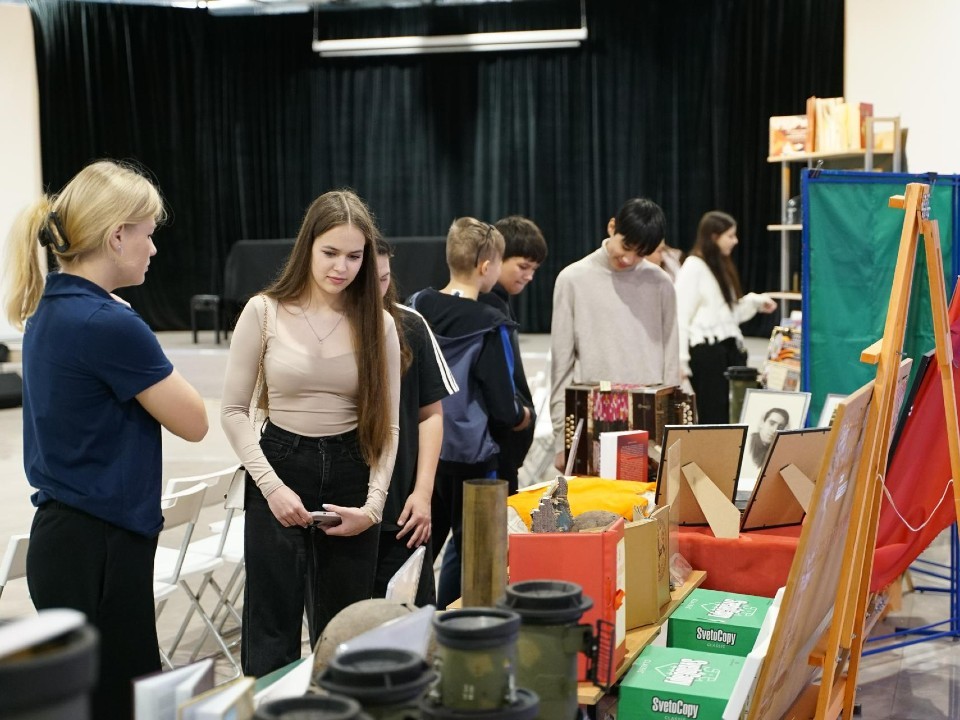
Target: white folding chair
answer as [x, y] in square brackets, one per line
[225, 545]
[172, 566]
[14, 563]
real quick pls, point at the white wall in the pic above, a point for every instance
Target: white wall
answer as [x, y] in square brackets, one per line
[20, 181]
[902, 56]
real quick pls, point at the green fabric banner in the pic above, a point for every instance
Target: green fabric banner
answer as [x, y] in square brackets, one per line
[851, 239]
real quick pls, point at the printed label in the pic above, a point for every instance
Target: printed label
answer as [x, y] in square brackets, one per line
[717, 636]
[674, 707]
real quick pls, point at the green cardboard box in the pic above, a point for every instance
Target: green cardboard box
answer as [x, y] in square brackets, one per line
[675, 684]
[717, 622]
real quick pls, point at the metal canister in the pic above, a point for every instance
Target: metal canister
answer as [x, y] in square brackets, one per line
[476, 659]
[550, 640]
[387, 682]
[740, 378]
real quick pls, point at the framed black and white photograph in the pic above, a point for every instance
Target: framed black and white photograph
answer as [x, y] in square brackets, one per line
[765, 413]
[830, 403]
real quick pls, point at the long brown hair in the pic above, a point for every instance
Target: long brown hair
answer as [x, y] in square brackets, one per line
[712, 225]
[390, 300]
[363, 308]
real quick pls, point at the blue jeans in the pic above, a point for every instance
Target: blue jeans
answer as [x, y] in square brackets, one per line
[290, 569]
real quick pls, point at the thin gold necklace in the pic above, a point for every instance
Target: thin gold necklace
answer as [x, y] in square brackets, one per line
[319, 339]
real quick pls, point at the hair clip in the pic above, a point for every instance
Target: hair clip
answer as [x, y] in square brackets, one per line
[48, 237]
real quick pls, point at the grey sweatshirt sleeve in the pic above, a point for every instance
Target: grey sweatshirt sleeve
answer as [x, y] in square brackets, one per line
[562, 353]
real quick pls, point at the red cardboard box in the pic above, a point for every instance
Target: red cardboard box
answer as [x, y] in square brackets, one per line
[596, 561]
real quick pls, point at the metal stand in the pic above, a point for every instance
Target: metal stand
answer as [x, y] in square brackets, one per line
[948, 573]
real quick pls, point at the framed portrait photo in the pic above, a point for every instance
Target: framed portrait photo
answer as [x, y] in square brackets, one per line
[830, 403]
[765, 413]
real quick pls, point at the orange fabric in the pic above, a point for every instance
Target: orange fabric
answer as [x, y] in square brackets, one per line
[589, 493]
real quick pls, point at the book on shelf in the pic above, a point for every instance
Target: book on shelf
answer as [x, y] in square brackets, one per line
[158, 695]
[623, 455]
[789, 135]
[230, 701]
[835, 125]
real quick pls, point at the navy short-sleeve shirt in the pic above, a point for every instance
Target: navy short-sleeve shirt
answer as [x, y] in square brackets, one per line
[87, 441]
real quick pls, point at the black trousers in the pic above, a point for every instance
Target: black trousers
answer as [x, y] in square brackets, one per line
[447, 517]
[80, 562]
[290, 569]
[708, 362]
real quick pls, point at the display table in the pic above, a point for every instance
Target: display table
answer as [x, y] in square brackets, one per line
[638, 638]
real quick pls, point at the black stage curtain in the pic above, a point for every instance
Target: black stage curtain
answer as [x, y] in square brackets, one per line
[243, 125]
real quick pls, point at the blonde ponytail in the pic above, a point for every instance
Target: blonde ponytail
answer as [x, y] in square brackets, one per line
[25, 273]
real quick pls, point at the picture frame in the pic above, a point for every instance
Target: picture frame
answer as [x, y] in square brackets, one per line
[716, 449]
[772, 503]
[830, 404]
[764, 413]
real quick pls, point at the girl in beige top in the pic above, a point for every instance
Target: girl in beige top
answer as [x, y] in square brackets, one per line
[331, 368]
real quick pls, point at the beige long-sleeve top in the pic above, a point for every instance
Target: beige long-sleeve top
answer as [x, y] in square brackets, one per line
[309, 394]
[607, 325]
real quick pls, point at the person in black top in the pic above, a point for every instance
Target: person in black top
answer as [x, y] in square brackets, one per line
[424, 382]
[524, 252]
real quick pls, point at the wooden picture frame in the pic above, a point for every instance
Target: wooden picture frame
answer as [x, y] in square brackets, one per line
[772, 502]
[717, 450]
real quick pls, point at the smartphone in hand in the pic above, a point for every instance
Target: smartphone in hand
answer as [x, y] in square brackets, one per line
[322, 518]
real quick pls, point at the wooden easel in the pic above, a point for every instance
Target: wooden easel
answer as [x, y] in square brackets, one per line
[844, 629]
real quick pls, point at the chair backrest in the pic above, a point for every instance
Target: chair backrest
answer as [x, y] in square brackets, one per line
[14, 563]
[217, 482]
[182, 509]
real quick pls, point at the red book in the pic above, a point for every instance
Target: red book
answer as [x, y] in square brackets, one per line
[623, 455]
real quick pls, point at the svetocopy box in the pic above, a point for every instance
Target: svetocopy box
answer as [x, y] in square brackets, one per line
[674, 683]
[717, 622]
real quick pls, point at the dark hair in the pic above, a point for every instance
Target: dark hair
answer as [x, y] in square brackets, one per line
[390, 300]
[779, 411]
[522, 238]
[364, 308]
[642, 224]
[712, 225]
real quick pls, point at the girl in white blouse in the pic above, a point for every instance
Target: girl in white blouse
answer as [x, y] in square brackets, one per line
[710, 308]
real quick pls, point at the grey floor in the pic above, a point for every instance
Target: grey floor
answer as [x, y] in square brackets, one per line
[920, 682]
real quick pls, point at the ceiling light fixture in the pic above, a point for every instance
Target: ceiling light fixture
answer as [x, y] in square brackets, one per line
[472, 42]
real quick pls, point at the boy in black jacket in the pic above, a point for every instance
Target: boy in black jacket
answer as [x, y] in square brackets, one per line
[524, 251]
[475, 339]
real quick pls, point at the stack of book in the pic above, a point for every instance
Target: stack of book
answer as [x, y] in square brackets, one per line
[830, 125]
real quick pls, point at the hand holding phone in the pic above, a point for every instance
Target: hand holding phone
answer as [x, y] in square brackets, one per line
[322, 518]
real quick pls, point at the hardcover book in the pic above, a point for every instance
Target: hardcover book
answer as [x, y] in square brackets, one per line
[623, 455]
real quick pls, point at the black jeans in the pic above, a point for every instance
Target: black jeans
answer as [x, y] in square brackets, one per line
[447, 517]
[290, 569]
[708, 362]
[81, 562]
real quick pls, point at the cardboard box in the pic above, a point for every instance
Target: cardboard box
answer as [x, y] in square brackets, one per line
[593, 560]
[673, 683]
[717, 622]
[647, 543]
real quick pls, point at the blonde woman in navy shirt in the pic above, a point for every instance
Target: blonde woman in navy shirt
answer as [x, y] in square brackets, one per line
[96, 389]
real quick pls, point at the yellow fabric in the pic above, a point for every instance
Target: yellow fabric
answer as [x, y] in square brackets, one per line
[589, 493]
